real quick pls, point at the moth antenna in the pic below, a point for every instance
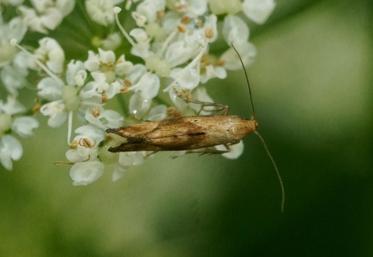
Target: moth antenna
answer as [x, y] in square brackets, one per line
[274, 164]
[247, 79]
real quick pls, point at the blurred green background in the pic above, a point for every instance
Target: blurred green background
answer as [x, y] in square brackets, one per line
[313, 88]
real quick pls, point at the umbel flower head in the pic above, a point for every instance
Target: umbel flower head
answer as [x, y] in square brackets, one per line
[122, 62]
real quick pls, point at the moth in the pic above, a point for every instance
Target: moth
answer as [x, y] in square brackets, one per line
[193, 133]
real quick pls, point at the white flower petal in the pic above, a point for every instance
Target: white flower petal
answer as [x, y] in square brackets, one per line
[24, 126]
[106, 57]
[139, 106]
[76, 73]
[157, 113]
[10, 150]
[231, 60]
[93, 62]
[235, 30]
[56, 113]
[104, 119]
[12, 106]
[51, 53]
[101, 11]
[85, 173]
[51, 18]
[92, 132]
[148, 86]
[13, 79]
[50, 89]
[258, 10]
[150, 8]
[186, 78]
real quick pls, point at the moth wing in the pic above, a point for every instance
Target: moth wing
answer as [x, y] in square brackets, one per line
[136, 130]
[177, 134]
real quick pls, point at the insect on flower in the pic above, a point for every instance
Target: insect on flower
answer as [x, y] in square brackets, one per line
[194, 133]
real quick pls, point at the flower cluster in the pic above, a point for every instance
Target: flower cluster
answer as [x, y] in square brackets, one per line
[167, 45]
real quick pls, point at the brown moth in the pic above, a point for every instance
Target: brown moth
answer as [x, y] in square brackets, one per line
[191, 133]
[184, 133]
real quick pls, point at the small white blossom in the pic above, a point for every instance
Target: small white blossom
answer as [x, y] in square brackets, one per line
[10, 150]
[51, 54]
[258, 10]
[15, 29]
[64, 98]
[235, 30]
[14, 74]
[24, 126]
[10, 147]
[84, 146]
[85, 173]
[103, 119]
[101, 11]
[147, 11]
[225, 6]
[231, 60]
[46, 14]
[111, 42]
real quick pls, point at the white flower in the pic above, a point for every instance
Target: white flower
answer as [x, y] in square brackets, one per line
[14, 74]
[235, 30]
[10, 150]
[211, 68]
[180, 52]
[76, 73]
[108, 72]
[225, 6]
[148, 86]
[24, 126]
[139, 106]
[101, 11]
[15, 29]
[195, 8]
[46, 14]
[11, 106]
[141, 48]
[147, 11]
[64, 98]
[210, 30]
[84, 146]
[85, 173]
[111, 42]
[247, 52]
[56, 113]
[186, 78]
[157, 113]
[258, 10]
[104, 119]
[51, 54]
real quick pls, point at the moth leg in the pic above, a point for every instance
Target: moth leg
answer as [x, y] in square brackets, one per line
[205, 106]
[150, 154]
[207, 151]
[212, 107]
